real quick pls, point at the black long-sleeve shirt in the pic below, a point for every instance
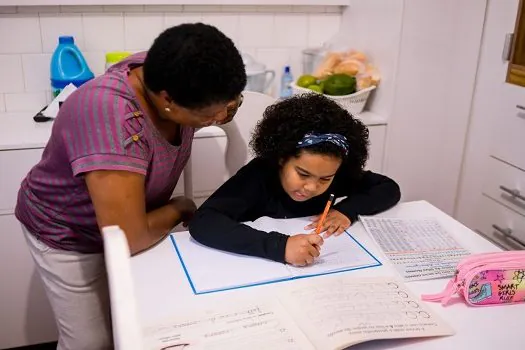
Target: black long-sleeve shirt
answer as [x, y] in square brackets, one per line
[256, 191]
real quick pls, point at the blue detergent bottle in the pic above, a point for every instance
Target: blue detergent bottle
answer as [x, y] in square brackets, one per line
[68, 65]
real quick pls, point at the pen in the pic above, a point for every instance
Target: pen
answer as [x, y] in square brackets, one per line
[323, 217]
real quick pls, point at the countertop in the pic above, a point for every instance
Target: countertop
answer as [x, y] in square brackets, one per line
[19, 130]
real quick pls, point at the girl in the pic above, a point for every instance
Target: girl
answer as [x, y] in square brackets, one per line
[117, 149]
[307, 147]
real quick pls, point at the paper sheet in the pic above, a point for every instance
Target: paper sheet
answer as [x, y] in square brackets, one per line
[254, 326]
[210, 270]
[337, 252]
[419, 248]
[341, 311]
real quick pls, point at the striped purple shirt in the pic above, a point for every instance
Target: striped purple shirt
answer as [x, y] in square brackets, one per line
[101, 126]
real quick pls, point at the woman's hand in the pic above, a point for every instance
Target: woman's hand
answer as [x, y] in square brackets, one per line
[335, 223]
[302, 249]
[186, 208]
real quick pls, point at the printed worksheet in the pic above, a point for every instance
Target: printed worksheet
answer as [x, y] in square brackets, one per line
[257, 326]
[331, 313]
[419, 248]
[341, 312]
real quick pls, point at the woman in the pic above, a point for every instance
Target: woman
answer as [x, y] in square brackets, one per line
[116, 152]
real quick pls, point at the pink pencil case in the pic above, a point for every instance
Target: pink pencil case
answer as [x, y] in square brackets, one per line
[487, 279]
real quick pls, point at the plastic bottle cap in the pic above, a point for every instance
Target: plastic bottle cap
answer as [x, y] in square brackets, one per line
[116, 56]
[287, 69]
[66, 39]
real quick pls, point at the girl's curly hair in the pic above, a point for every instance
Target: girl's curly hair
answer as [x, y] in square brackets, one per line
[285, 123]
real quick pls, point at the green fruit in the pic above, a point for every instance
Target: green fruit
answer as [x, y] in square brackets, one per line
[316, 88]
[339, 84]
[306, 80]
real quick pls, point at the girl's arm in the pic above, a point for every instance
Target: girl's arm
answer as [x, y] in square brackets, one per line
[218, 222]
[372, 194]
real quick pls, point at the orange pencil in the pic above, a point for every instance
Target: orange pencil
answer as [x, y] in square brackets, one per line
[323, 217]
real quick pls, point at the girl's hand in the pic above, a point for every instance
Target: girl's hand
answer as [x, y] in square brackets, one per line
[335, 223]
[302, 249]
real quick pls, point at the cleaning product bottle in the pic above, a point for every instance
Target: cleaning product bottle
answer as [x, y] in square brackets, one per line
[68, 65]
[115, 57]
[286, 81]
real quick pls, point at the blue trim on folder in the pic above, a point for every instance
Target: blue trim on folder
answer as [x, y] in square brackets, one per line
[183, 264]
[186, 272]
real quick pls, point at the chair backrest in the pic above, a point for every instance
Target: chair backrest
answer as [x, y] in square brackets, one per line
[239, 131]
[127, 332]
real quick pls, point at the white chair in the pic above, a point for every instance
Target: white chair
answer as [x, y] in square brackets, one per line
[127, 332]
[238, 133]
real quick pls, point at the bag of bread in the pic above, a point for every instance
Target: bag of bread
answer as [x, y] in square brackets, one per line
[326, 68]
[350, 66]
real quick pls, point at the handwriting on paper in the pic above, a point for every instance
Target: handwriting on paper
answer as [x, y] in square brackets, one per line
[348, 312]
[253, 327]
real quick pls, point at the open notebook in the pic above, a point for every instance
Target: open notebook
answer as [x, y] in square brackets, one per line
[330, 313]
[211, 270]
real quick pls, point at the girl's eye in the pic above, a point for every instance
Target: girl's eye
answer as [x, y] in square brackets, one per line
[303, 175]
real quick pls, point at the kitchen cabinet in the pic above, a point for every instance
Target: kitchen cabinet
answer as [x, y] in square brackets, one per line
[492, 192]
[516, 70]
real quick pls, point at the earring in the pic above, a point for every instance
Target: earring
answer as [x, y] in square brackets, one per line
[167, 109]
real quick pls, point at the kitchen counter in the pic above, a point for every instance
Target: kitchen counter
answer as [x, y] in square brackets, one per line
[20, 131]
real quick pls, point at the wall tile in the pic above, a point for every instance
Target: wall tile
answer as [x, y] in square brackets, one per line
[226, 23]
[54, 25]
[36, 72]
[256, 30]
[27, 30]
[2, 103]
[291, 30]
[96, 61]
[173, 19]
[12, 74]
[322, 28]
[140, 29]
[103, 31]
[26, 101]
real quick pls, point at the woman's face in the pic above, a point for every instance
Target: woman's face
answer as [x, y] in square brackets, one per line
[308, 175]
[216, 114]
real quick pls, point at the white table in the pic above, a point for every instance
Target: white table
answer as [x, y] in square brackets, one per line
[162, 290]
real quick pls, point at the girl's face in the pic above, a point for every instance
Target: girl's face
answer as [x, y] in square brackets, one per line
[308, 175]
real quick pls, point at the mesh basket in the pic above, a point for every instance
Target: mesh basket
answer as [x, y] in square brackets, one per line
[354, 103]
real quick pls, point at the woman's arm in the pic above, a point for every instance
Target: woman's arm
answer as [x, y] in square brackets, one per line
[119, 199]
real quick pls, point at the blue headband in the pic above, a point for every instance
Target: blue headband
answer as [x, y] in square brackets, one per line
[315, 138]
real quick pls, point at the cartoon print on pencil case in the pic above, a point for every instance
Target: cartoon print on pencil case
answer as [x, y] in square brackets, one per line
[485, 292]
[519, 276]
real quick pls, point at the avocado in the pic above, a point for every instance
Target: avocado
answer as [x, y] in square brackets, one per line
[339, 84]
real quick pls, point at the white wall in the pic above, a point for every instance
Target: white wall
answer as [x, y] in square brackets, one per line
[273, 34]
[440, 42]
[374, 27]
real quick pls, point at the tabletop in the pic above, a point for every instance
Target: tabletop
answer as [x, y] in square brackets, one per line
[161, 290]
